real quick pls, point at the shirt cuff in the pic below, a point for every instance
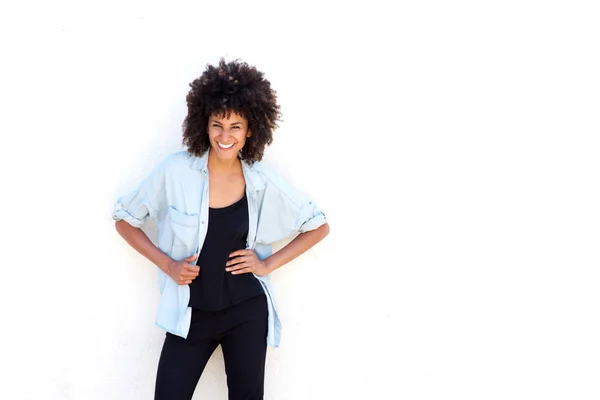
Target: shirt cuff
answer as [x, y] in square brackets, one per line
[313, 223]
[121, 214]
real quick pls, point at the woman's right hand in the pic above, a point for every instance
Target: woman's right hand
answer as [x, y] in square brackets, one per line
[182, 271]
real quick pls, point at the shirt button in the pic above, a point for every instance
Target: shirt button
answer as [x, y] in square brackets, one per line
[203, 222]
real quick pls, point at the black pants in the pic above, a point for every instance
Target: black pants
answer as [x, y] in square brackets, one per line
[242, 332]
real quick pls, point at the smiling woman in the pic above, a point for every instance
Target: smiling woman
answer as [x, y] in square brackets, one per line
[228, 88]
[228, 133]
[218, 211]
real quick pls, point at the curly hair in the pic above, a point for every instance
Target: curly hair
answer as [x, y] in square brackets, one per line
[231, 87]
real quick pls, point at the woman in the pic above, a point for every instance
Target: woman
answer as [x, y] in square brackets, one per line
[218, 210]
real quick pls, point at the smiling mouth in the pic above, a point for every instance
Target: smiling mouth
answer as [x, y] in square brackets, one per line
[223, 146]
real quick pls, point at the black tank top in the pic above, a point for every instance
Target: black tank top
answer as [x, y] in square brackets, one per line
[215, 289]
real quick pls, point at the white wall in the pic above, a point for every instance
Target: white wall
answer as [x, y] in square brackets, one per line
[453, 146]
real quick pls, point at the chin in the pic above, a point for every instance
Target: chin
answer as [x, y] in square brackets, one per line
[225, 153]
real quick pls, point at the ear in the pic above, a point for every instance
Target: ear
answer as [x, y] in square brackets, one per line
[249, 133]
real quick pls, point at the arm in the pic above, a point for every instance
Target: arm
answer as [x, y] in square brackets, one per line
[180, 271]
[299, 245]
[246, 261]
[137, 239]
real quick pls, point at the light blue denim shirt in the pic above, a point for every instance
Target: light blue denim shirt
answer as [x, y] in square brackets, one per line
[175, 196]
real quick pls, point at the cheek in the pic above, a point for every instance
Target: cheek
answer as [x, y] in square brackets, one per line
[242, 138]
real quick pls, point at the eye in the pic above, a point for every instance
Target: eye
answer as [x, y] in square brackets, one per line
[235, 127]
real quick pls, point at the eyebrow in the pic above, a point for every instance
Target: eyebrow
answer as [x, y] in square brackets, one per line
[233, 123]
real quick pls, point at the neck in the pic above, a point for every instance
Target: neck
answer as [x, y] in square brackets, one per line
[217, 164]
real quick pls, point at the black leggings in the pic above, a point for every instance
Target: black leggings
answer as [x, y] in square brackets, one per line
[241, 330]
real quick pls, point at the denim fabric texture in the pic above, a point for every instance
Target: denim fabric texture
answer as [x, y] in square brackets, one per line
[175, 196]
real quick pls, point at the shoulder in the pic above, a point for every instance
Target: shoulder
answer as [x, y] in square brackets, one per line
[179, 158]
[176, 162]
[171, 168]
[265, 175]
[263, 171]
[272, 180]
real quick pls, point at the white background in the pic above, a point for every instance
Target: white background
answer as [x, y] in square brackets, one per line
[452, 145]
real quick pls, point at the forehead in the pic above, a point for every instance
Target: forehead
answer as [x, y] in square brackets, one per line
[232, 118]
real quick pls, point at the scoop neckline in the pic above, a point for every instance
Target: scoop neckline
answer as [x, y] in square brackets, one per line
[229, 206]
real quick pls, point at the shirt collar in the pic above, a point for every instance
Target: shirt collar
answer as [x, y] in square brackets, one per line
[201, 162]
[252, 177]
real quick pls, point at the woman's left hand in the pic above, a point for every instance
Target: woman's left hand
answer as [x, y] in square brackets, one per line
[246, 261]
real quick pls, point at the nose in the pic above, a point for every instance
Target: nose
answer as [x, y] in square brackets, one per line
[225, 135]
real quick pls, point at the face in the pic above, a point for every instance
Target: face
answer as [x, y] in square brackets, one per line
[227, 135]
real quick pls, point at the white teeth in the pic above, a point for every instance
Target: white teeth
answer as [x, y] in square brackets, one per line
[224, 146]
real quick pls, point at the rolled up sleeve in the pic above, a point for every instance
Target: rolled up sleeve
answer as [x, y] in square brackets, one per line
[134, 208]
[286, 211]
[142, 202]
[310, 217]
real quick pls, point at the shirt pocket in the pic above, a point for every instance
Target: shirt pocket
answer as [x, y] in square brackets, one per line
[184, 228]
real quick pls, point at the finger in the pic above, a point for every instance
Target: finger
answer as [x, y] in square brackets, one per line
[191, 258]
[180, 280]
[238, 267]
[243, 252]
[191, 267]
[242, 271]
[188, 274]
[237, 260]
